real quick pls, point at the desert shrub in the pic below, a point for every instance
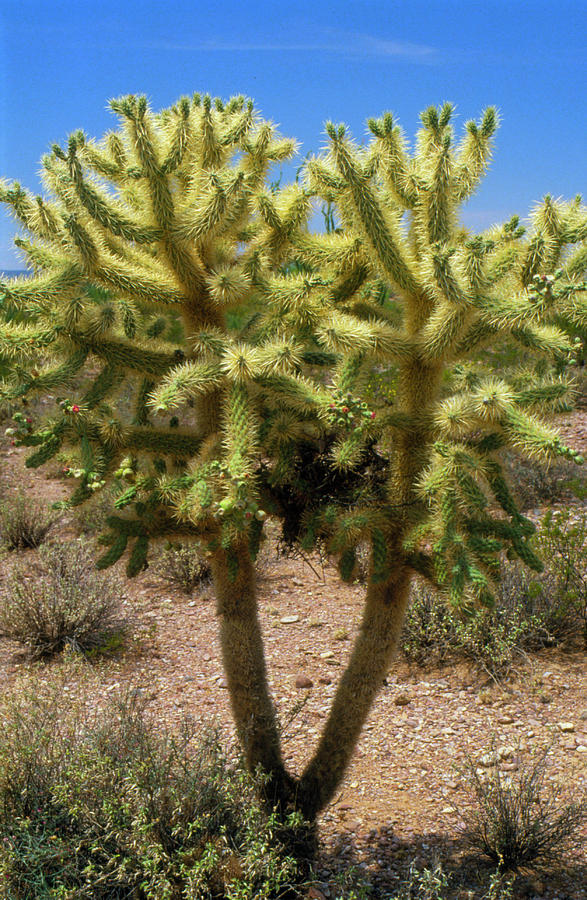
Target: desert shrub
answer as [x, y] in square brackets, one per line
[428, 884]
[531, 612]
[492, 638]
[24, 524]
[105, 806]
[430, 628]
[432, 883]
[516, 819]
[66, 602]
[562, 542]
[184, 566]
[91, 516]
[536, 483]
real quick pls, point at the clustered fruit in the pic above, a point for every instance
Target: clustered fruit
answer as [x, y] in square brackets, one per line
[237, 504]
[23, 426]
[92, 480]
[345, 411]
[68, 407]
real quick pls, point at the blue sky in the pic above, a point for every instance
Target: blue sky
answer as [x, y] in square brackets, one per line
[305, 63]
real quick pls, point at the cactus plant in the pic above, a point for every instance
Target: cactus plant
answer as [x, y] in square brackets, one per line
[156, 233]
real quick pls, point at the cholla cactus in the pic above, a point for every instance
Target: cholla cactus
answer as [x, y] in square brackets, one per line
[172, 217]
[440, 506]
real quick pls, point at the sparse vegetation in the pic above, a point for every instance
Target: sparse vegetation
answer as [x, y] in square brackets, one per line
[538, 484]
[102, 805]
[520, 820]
[24, 523]
[184, 567]
[63, 602]
[532, 610]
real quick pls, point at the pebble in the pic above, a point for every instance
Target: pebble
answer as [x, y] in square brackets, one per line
[302, 681]
[289, 620]
[505, 720]
[402, 700]
[566, 726]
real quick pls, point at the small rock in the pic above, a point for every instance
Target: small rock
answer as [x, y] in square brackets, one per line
[505, 752]
[488, 760]
[505, 720]
[302, 681]
[402, 700]
[325, 679]
[566, 726]
[315, 894]
[289, 620]
[328, 654]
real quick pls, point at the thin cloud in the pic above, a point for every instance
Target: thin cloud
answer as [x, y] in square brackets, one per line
[331, 41]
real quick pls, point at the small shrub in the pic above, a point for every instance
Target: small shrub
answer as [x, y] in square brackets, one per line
[91, 516]
[538, 484]
[66, 603]
[492, 639]
[531, 612]
[428, 884]
[562, 542]
[429, 632]
[184, 567]
[104, 806]
[24, 524]
[519, 821]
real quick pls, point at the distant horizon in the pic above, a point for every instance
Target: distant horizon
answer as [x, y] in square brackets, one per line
[311, 63]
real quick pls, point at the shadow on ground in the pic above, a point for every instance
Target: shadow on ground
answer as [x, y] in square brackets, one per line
[381, 863]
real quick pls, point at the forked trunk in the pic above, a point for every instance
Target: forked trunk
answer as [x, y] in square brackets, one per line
[252, 707]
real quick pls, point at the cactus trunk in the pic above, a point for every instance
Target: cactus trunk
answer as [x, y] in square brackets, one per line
[244, 665]
[378, 637]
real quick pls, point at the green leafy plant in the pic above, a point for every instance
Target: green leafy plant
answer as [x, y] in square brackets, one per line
[67, 603]
[532, 610]
[562, 539]
[536, 483]
[24, 523]
[101, 805]
[517, 819]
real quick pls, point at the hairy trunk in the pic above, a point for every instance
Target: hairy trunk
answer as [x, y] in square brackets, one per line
[378, 637]
[246, 674]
